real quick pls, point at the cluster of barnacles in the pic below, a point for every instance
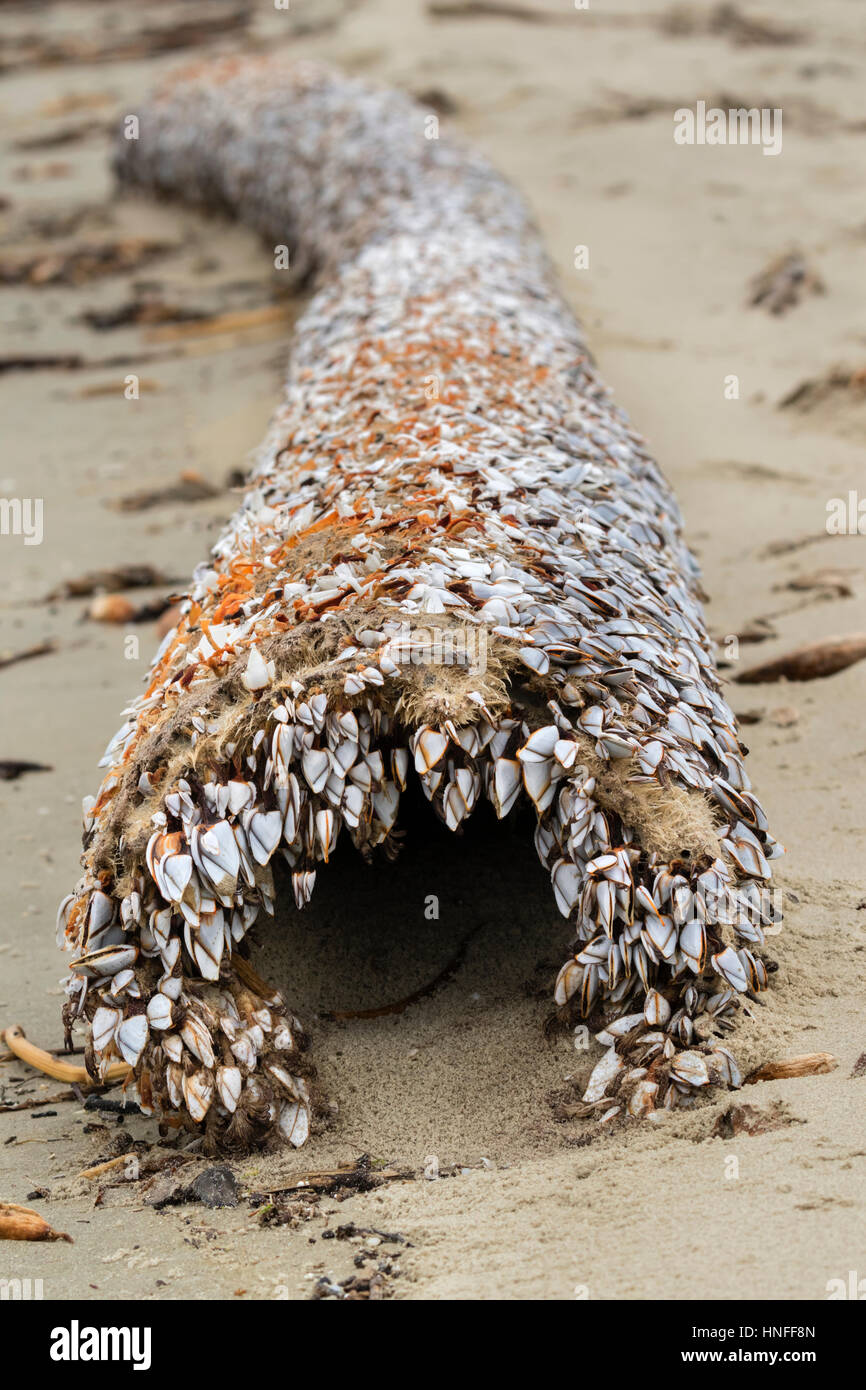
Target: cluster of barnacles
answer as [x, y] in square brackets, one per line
[510, 498]
[158, 975]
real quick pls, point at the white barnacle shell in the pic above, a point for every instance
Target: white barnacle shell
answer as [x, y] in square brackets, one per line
[282, 1039]
[104, 1026]
[229, 1083]
[263, 829]
[728, 964]
[208, 944]
[197, 1039]
[106, 961]
[63, 917]
[131, 1038]
[294, 1123]
[430, 747]
[215, 851]
[159, 1011]
[690, 1069]
[603, 1074]
[506, 785]
[198, 1093]
[244, 1050]
[657, 1010]
[567, 881]
[259, 673]
[568, 981]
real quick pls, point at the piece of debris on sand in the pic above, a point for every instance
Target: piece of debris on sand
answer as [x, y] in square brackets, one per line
[783, 283]
[729, 22]
[41, 49]
[81, 264]
[116, 608]
[829, 582]
[750, 1119]
[135, 312]
[13, 768]
[807, 1064]
[837, 382]
[813, 661]
[110, 581]
[22, 1223]
[27, 653]
[189, 487]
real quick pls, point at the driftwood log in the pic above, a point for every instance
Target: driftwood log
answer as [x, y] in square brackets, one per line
[455, 562]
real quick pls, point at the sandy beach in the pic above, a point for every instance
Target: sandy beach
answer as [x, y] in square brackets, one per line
[451, 1111]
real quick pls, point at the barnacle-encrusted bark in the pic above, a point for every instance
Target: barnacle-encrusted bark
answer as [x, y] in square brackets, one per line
[455, 561]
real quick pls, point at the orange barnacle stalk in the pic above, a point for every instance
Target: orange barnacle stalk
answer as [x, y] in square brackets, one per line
[454, 561]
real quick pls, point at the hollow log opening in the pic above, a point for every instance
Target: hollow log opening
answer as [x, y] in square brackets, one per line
[435, 971]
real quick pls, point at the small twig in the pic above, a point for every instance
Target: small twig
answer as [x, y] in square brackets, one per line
[236, 321]
[61, 1071]
[359, 1176]
[445, 974]
[493, 9]
[40, 649]
[99, 1168]
[35, 1104]
[808, 1064]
